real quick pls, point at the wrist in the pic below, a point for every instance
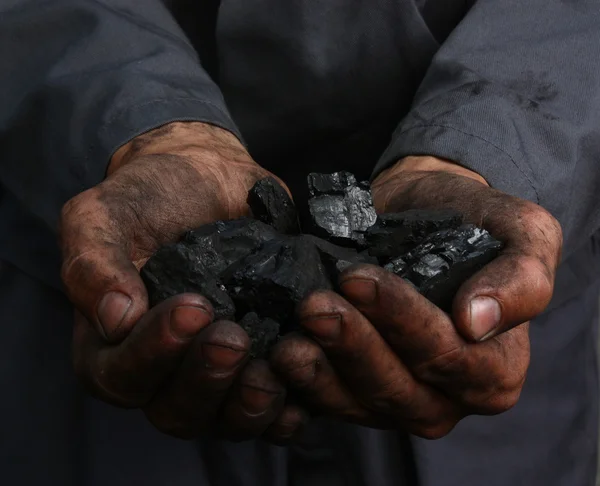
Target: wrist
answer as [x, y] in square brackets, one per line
[427, 164]
[178, 138]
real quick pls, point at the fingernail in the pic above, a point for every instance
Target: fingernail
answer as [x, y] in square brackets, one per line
[485, 317]
[221, 357]
[112, 309]
[256, 401]
[359, 290]
[186, 321]
[324, 328]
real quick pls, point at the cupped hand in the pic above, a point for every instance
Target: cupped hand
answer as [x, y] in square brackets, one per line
[381, 355]
[189, 375]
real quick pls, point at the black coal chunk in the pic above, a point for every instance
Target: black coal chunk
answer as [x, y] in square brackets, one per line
[395, 233]
[271, 204]
[263, 334]
[397, 265]
[444, 260]
[341, 210]
[330, 184]
[274, 279]
[179, 268]
[220, 244]
[337, 258]
[258, 270]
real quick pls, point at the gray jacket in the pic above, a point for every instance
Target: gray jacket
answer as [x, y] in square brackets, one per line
[508, 88]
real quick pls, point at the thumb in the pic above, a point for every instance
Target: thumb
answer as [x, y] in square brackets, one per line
[98, 274]
[516, 286]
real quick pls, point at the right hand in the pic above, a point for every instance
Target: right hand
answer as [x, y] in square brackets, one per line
[189, 375]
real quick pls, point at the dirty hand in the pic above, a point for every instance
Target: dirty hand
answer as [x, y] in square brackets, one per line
[386, 357]
[188, 374]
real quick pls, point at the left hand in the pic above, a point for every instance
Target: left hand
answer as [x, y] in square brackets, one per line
[387, 357]
[189, 375]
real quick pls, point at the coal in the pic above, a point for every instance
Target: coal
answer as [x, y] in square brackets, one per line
[330, 184]
[337, 258]
[273, 280]
[397, 265]
[340, 209]
[444, 260]
[220, 244]
[263, 334]
[178, 269]
[271, 204]
[256, 271]
[395, 233]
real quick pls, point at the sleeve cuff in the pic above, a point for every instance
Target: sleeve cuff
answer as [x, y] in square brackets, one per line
[141, 118]
[499, 168]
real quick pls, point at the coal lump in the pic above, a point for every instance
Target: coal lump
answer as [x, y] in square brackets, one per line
[256, 271]
[340, 209]
[271, 204]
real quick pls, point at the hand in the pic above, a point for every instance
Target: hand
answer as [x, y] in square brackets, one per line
[386, 357]
[189, 375]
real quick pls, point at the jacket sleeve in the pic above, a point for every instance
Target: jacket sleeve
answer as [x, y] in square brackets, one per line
[514, 94]
[81, 77]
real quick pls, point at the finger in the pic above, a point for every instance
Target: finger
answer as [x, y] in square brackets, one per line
[370, 369]
[515, 287]
[415, 329]
[288, 426]
[97, 272]
[518, 285]
[255, 401]
[188, 405]
[486, 377]
[511, 290]
[128, 374]
[302, 365]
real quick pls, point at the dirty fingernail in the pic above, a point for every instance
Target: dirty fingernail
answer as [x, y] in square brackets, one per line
[112, 310]
[324, 328]
[256, 401]
[221, 357]
[485, 317]
[186, 321]
[359, 290]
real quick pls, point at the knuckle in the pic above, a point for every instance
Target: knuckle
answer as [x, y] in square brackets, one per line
[510, 383]
[295, 354]
[549, 226]
[502, 398]
[304, 378]
[395, 397]
[499, 392]
[539, 277]
[446, 365]
[499, 403]
[76, 271]
[545, 229]
[81, 209]
[302, 375]
[73, 207]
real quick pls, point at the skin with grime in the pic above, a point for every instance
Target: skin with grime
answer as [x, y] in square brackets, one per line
[387, 357]
[364, 343]
[187, 371]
